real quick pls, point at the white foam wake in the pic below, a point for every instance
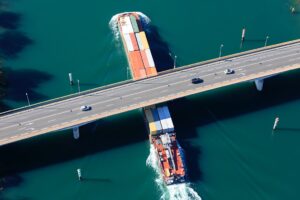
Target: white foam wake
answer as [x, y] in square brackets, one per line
[113, 23]
[182, 191]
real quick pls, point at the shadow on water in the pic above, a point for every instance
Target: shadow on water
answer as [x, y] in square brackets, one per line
[112, 132]
[12, 43]
[159, 49]
[25, 80]
[9, 20]
[7, 182]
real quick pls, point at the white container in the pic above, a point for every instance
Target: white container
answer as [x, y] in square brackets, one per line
[139, 41]
[150, 58]
[126, 25]
[128, 42]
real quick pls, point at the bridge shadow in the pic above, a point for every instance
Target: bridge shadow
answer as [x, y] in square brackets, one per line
[60, 146]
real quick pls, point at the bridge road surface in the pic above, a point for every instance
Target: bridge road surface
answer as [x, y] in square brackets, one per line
[174, 84]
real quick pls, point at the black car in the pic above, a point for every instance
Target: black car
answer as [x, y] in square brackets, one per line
[197, 80]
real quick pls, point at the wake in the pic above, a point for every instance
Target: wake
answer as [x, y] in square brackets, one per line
[182, 191]
[113, 23]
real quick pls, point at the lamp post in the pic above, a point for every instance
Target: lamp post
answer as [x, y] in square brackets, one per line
[78, 85]
[220, 52]
[266, 40]
[175, 57]
[27, 98]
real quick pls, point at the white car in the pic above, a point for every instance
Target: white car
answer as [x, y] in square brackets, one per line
[228, 71]
[85, 108]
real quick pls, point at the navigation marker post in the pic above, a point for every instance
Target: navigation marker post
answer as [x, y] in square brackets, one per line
[79, 174]
[275, 123]
[243, 34]
[243, 37]
[71, 79]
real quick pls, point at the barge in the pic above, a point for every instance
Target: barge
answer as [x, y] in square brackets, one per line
[158, 120]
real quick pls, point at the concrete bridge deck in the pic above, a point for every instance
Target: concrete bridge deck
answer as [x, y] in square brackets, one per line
[65, 113]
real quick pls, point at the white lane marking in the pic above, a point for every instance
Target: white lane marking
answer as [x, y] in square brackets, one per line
[52, 120]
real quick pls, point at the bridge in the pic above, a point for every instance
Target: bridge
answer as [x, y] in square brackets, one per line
[64, 113]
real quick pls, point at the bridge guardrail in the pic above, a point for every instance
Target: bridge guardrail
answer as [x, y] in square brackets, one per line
[159, 74]
[66, 97]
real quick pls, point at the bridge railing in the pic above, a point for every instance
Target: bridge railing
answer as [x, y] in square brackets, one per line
[66, 97]
[159, 74]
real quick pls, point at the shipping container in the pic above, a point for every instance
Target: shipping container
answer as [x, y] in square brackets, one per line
[144, 40]
[143, 73]
[133, 41]
[134, 24]
[128, 42]
[139, 41]
[128, 24]
[135, 60]
[125, 25]
[156, 120]
[150, 121]
[163, 120]
[150, 58]
[153, 71]
[169, 118]
[145, 59]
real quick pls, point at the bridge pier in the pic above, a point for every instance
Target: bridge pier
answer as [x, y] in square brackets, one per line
[259, 83]
[76, 133]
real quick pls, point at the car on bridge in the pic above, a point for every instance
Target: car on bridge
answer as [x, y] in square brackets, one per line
[85, 108]
[196, 80]
[228, 71]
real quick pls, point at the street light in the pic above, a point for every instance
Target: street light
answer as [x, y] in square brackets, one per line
[175, 61]
[27, 99]
[266, 40]
[78, 85]
[220, 52]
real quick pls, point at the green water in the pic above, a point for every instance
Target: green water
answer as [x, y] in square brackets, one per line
[230, 149]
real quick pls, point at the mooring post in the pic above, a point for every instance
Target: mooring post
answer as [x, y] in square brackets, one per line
[275, 123]
[79, 174]
[243, 34]
[71, 79]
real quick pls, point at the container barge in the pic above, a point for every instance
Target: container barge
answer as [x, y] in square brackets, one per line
[159, 122]
[163, 137]
[136, 46]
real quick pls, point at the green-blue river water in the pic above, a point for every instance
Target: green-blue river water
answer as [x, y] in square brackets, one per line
[231, 152]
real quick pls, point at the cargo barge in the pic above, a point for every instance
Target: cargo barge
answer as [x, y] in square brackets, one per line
[159, 122]
[136, 46]
[168, 151]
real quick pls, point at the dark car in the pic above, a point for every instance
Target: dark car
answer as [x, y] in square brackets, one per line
[197, 80]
